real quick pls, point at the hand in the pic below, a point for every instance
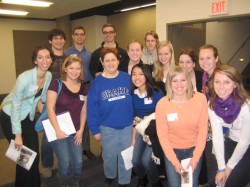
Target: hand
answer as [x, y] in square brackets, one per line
[60, 134]
[18, 141]
[178, 168]
[98, 136]
[78, 138]
[193, 164]
[228, 172]
[220, 178]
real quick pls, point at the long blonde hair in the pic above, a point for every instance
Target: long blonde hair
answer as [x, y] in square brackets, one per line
[158, 67]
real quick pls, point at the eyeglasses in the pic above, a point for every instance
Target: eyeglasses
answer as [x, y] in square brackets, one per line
[108, 33]
[79, 34]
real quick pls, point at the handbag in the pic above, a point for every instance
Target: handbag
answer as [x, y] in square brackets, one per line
[44, 114]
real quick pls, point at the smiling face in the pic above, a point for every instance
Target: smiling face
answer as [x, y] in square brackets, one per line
[138, 78]
[207, 60]
[179, 85]
[164, 55]
[73, 71]
[79, 36]
[43, 60]
[57, 42]
[110, 63]
[135, 51]
[109, 34]
[185, 61]
[223, 85]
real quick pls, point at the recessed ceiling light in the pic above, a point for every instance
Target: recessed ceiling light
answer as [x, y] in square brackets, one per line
[242, 59]
[13, 12]
[28, 3]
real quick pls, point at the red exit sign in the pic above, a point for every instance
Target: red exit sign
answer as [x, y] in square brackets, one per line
[218, 7]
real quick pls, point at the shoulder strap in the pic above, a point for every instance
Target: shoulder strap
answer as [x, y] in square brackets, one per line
[59, 87]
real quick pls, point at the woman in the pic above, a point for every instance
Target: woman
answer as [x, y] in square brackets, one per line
[228, 109]
[145, 98]
[134, 50]
[72, 98]
[149, 52]
[208, 60]
[110, 115]
[188, 59]
[181, 122]
[19, 108]
[165, 61]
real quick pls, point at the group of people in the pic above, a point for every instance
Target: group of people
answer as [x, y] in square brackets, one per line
[106, 90]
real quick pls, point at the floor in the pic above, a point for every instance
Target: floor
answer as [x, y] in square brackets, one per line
[92, 173]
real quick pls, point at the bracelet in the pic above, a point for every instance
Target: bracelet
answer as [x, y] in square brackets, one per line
[221, 170]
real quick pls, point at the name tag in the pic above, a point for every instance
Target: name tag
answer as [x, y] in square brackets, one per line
[147, 101]
[33, 88]
[172, 117]
[81, 97]
[73, 55]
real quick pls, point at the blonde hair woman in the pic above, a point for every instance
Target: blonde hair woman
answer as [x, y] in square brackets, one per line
[165, 61]
[182, 132]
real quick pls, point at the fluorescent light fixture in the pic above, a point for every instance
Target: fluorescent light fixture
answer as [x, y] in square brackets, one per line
[137, 7]
[28, 3]
[13, 12]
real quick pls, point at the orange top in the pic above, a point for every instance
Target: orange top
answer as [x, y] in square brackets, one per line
[182, 126]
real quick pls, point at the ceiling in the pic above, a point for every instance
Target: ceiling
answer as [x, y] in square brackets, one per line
[75, 8]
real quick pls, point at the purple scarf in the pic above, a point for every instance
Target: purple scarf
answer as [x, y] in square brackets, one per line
[227, 109]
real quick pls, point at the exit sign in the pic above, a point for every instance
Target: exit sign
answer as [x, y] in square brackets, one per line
[219, 7]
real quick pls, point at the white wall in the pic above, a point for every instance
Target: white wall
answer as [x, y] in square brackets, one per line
[7, 57]
[169, 11]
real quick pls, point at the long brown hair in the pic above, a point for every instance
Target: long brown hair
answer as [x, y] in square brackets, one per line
[240, 95]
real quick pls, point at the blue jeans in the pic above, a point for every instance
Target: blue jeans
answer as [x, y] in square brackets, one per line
[113, 142]
[174, 178]
[142, 160]
[46, 153]
[69, 157]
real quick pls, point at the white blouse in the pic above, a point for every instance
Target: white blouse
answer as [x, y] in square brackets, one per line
[239, 131]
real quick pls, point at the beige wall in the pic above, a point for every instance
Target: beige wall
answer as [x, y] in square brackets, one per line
[169, 11]
[130, 25]
[7, 60]
[93, 26]
[133, 25]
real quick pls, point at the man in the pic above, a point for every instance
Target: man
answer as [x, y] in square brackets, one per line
[57, 40]
[78, 49]
[109, 33]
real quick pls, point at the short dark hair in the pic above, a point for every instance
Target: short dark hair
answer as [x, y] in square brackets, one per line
[56, 32]
[39, 48]
[190, 52]
[106, 50]
[108, 25]
[78, 28]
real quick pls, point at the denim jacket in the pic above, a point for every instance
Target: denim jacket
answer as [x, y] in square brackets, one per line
[22, 99]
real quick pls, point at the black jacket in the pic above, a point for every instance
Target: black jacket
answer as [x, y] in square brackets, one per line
[95, 64]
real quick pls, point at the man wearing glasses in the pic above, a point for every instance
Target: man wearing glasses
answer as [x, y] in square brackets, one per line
[109, 34]
[78, 49]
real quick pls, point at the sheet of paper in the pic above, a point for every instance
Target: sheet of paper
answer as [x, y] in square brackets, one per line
[24, 157]
[127, 156]
[186, 176]
[65, 123]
